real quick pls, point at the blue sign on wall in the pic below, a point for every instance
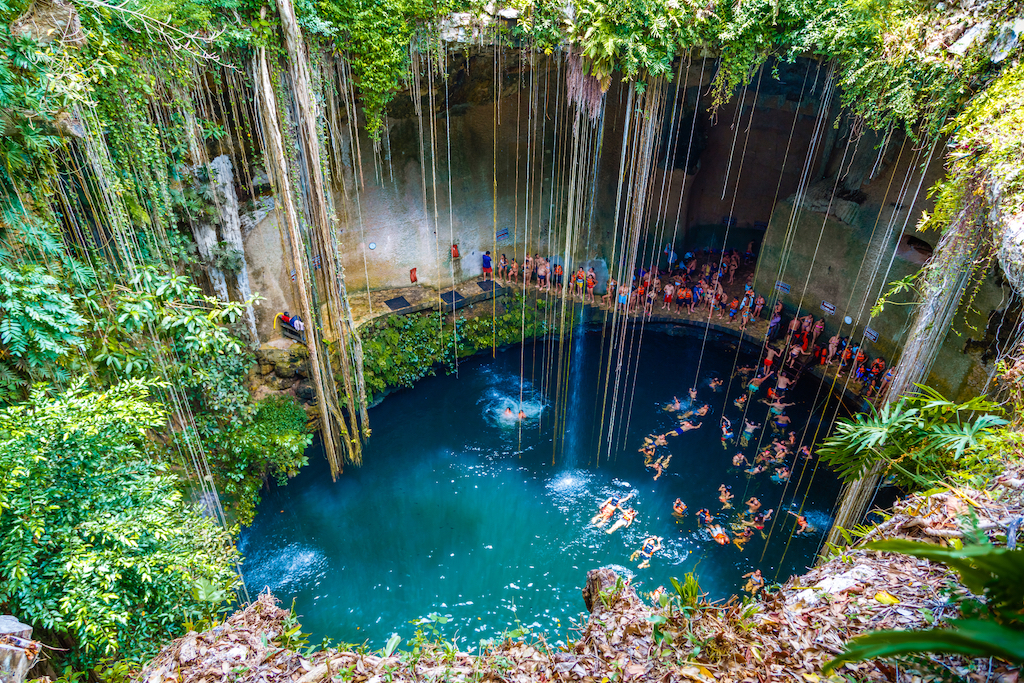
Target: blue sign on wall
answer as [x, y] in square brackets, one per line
[828, 307]
[782, 286]
[871, 334]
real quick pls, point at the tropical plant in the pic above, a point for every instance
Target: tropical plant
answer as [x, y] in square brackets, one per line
[994, 574]
[100, 548]
[919, 439]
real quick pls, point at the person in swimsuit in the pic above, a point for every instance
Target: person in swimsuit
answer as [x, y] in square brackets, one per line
[716, 383]
[607, 509]
[801, 523]
[741, 538]
[502, 268]
[740, 401]
[781, 475]
[579, 281]
[739, 460]
[719, 534]
[513, 270]
[628, 515]
[624, 298]
[673, 407]
[684, 426]
[678, 508]
[753, 505]
[727, 434]
[755, 384]
[609, 292]
[748, 431]
[591, 283]
[724, 496]
[667, 296]
[704, 516]
[754, 582]
[558, 274]
[543, 268]
[651, 545]
[659, 465]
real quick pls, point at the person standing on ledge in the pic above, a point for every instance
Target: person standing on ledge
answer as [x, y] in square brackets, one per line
[487, 266]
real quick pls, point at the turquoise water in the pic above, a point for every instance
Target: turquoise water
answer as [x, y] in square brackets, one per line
[458, 509]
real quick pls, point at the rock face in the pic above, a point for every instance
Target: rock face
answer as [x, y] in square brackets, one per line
[282, 367]
[50, 20]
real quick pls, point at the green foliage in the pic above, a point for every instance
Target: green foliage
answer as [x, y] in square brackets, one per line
[994, 574]
[377, 36]
[399, 350]
[39, 327]
[99, 545]
[272, 442]
[921, 438]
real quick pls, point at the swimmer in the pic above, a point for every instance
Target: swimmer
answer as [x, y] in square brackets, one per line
[805, 452]
[743, 371]
[780, 423]
[724, 496]
[607, 509]
[740, 401]
[754, 582]
[693, 393]
[678, 508]
[748, 431]
[704, 517]
[756, 470]
[522, 415]
[755, 384]
[716, 384]
[508, 413]
[651, 545]
[753, 505]
[718, 533]
[727, 434]
[781, 475]
[742, 537]
[648, 449]
[673, 407]
[660, 465]
[684, 426]
[628, 515]
[801, 523]
[655, 596]
[739, 460]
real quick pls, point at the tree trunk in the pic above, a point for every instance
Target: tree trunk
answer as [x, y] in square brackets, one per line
[277, 168]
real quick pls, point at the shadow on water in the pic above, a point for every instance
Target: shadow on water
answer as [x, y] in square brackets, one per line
[458, 509]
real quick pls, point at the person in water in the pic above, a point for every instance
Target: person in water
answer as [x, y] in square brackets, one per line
[739, 460]
[607, 509]
[755, 582]
[748, 431]
[651, 545]
[753, 505]
[719, 534]
[802, 525]
[627, 517]
[704, 516]
[678, 508]
[660, 465]
[716, 383]
[725, 495]
[740, 401]
[727, 434]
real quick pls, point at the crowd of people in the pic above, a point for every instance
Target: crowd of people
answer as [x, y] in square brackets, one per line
[700, 284]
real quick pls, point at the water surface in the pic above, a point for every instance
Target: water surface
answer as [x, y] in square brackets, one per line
[459, 510]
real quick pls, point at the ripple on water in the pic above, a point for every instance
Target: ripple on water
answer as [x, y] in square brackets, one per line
[287, 568]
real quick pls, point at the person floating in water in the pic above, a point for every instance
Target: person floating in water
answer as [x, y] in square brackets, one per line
[781, 475]
[727, 434]
[740, 401]
[753, 505]
[716, 384]
[627, 517]
[725, 495]
[659, 465]
[755, 384]
[522, 415]
[748, 431]
[739, 460]
[678, 508]
[509, 414]
[651, 545]
[704, 516]
[741, 538]
[718, 533]
[674, 407]
[802, 525]
[607, 509]
[754, 582]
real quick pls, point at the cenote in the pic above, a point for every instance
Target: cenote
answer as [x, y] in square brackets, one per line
[459, 511]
